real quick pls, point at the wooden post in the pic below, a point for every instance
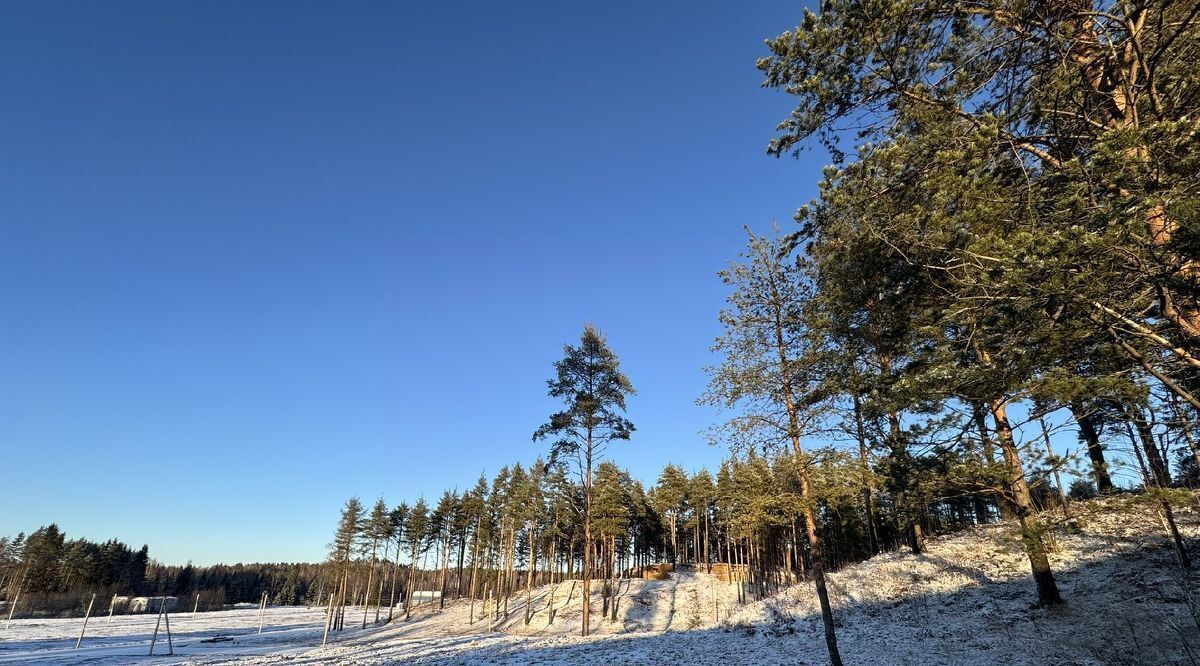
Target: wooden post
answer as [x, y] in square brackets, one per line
[111, 606]
[262, 609]
[12, 609]
[328, 621]
[197, 606]
[157, 623]
[86, 615]
[167, 619]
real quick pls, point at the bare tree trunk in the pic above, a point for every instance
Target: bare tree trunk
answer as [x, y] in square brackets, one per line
[587, 538]
[1062, 494]
[445, 572]
[865, 463]
[1186, 426]
[342, 597]
[1087, 431]
[1158, 466]
[512, 567]
[412, 578]
[1022, 502]
[462, 553]
[1157, 477]
[474, 570]
[392, 598]
[529, 574]
[613, 574]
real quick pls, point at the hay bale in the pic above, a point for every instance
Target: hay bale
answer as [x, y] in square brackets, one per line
[727, 573]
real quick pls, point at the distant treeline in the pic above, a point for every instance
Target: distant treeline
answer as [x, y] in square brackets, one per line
[285, 584]
[45, 573]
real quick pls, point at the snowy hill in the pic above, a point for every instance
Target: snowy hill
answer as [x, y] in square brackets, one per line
[967, 600]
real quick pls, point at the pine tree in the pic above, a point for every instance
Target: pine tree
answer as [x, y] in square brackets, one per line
[670, 497]
[702, 492]
[610, 522]
[399, 521]
[763, 373]
[378, 528]
[341, 551]
[589, 381]
[414, 532]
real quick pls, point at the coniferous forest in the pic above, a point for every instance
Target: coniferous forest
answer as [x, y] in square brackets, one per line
[990, 314]
[1004, 246]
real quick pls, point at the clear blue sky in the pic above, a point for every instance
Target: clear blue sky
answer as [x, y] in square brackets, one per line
[259, 257]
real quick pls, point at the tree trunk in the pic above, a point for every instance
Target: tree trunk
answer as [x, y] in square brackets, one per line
[1157, 477]
[382, 581]
[1003, 503]
[529, 574]
[587, 538]
[1087, 432]
[412, 577]
[1185, 425]
[1022, 503]
[462, 553]
[865, 463]
[445, 573]
[1062, 493]
[1158, 466]
[474, 570]
[612, 549]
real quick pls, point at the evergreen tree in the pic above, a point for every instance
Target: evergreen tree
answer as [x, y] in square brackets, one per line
[764, 374]
[589, 381]
[345, 540]
[415, 532]
[670, 499]
[399, 520]
[376, 530]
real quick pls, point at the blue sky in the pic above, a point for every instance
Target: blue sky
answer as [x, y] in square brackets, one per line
[259, 257]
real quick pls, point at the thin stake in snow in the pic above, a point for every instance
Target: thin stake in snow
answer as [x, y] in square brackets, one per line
[13, 609]
[111, 606]
[86, 615]
[197, 606]
[167, 619]
[157, 623]
[262, 609]
[328, 621]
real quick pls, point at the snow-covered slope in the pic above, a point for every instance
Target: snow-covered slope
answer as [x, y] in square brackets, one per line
[968, 600]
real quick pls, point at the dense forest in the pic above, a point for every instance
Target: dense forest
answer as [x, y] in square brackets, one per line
[45, 573]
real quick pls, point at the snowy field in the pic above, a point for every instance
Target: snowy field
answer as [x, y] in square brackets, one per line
[126, 638]
[968, 600]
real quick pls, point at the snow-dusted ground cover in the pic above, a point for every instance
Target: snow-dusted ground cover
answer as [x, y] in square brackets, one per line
[968, 600]
[125, 638]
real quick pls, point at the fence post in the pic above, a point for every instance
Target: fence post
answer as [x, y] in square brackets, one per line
[328, 621]
[167, 617]
[86, 615]
[13, 609]
[157, 623]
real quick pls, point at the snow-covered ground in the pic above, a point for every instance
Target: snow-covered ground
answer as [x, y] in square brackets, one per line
[968, 600]
[125, 638]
